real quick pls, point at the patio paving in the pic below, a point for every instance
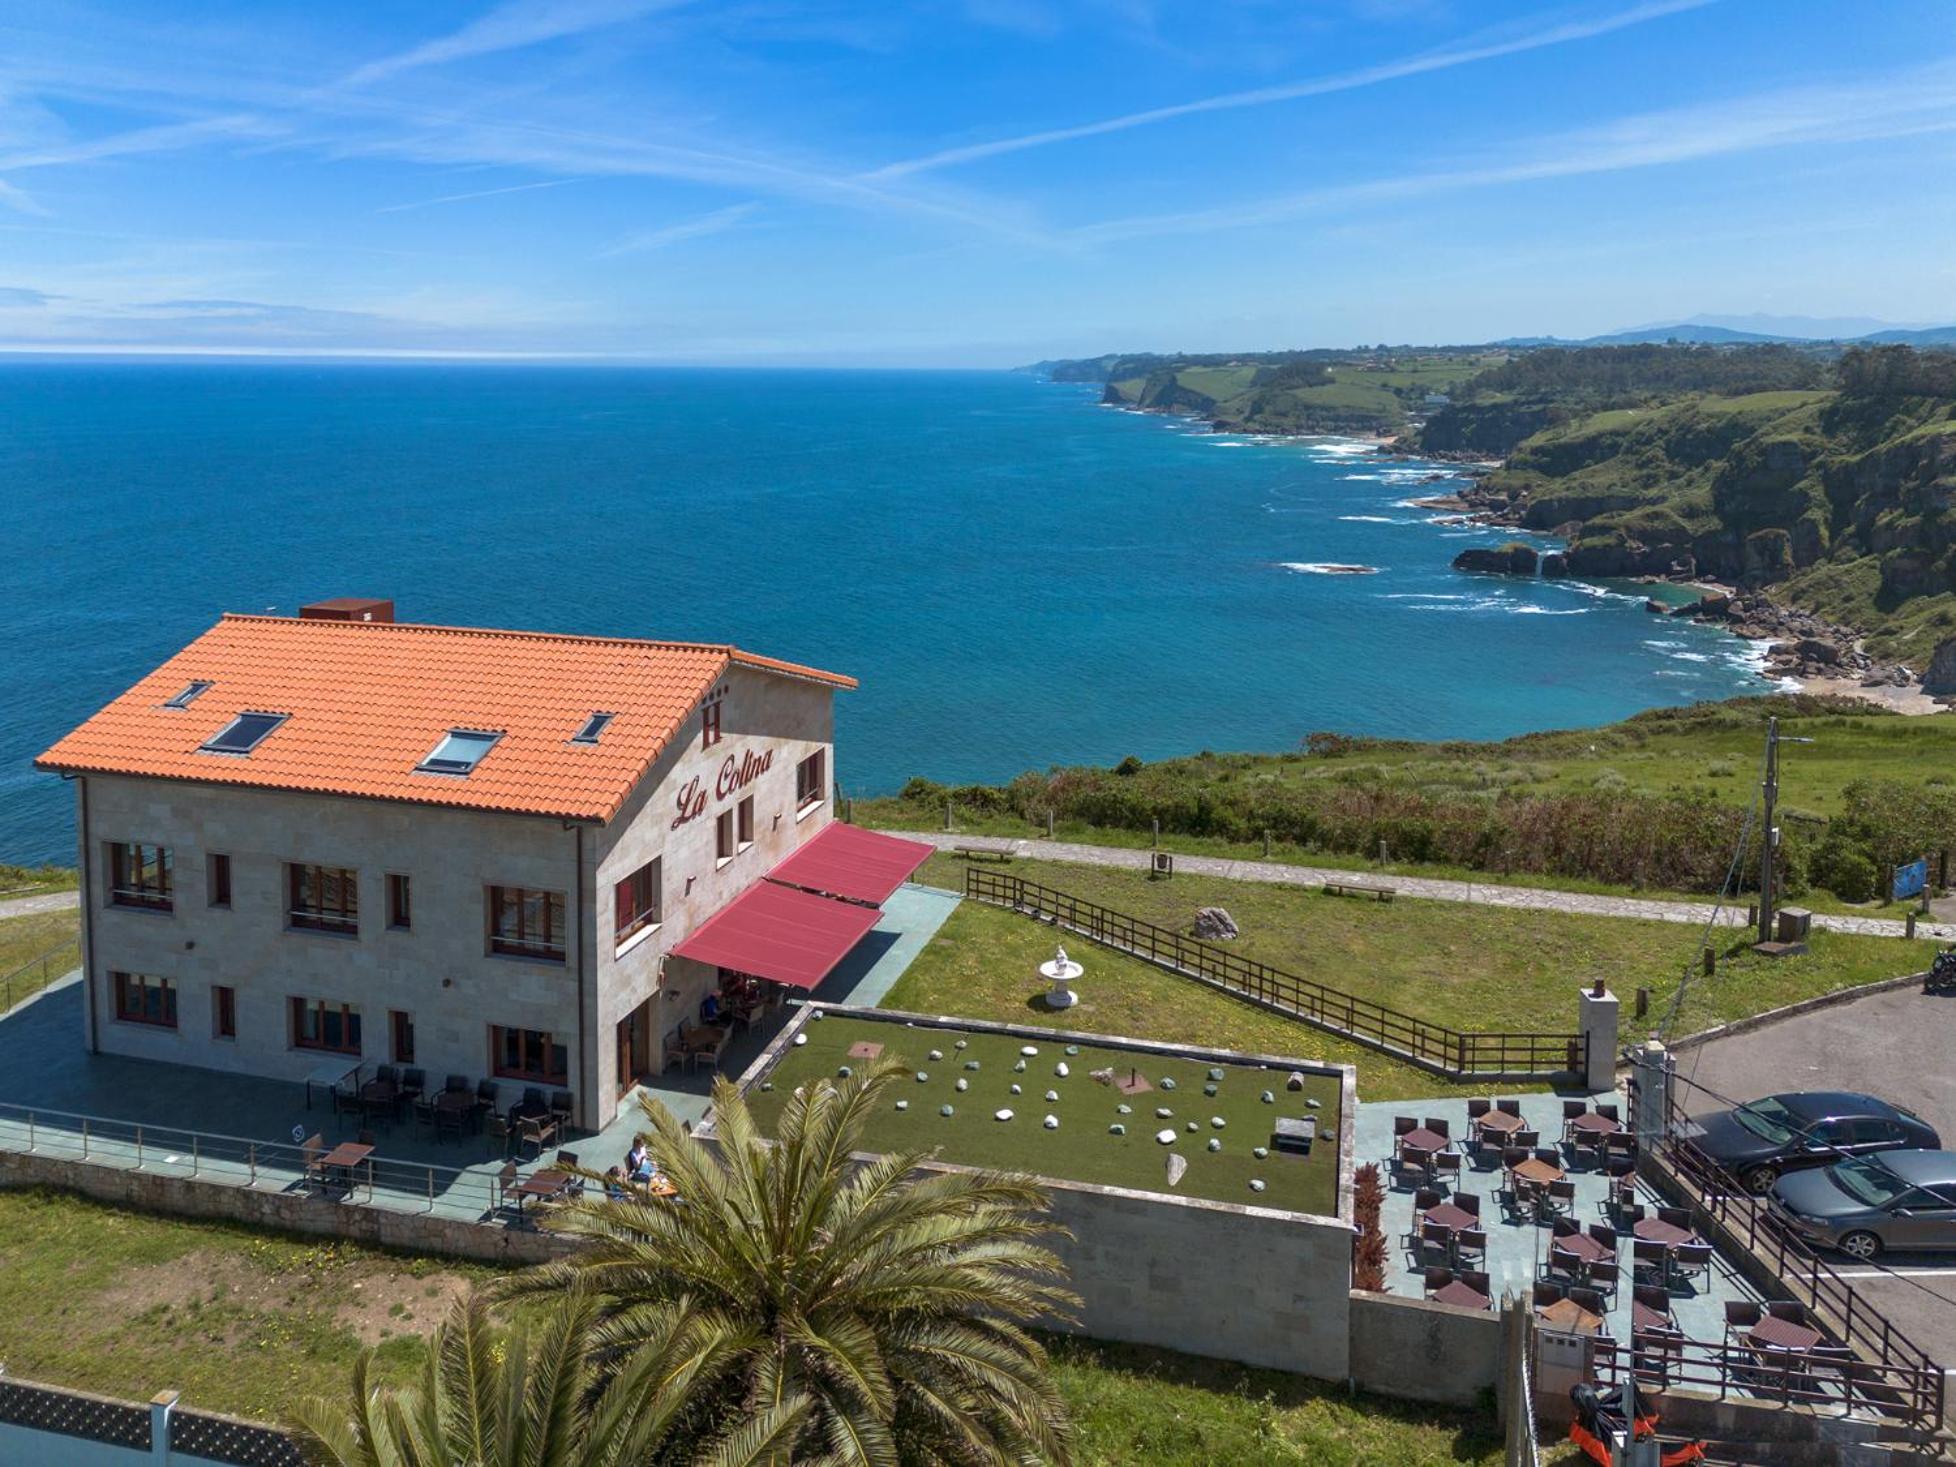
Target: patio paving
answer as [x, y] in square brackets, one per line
[144, 1113]
[1517, 1250]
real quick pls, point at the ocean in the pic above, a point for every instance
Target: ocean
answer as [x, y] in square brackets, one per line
[1018, 576]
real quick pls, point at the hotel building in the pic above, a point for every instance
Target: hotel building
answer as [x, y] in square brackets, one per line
[518, 856]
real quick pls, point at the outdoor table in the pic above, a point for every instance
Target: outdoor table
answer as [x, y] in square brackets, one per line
[1594, 1124]
[380, 1092]
[328, 1075]
[345, 1157]
[1537, 1171]
[660, 1185]
[1424, 1140]
[544, 1184]
[1502, 1123]
[1588, 1249]
[1656, 1230]
[1774, 1333]
[1643, 1317]
[1462, 1295]
[1453, 1219]
[1570, 1317]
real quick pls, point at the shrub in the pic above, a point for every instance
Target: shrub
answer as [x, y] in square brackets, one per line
[1845, 870]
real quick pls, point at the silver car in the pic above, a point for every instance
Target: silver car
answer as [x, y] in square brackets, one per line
[1901, 1200]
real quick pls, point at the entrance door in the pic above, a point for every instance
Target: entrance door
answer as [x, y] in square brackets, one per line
[634, 1046]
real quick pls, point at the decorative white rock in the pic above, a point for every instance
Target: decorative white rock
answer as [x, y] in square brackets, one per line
[1192, 1126]
[971, 1064]
[1218, 1122]
[1167, 1082]
[1268, 1098]
[1051, 1096]
[1051, 1123]
[1256, 1184]
[961, 1044]
[1210, 1090]
[963, 1084]
[1015, 1089]
[1123, 1109]
[1166, 1138]
[1117, 1129]
[1261, 1153]
[1028, 1050]
[1002, 1115]
[1215, 1143]
[1163, 1113]
[1019, 1068]
[1072, 1049]
[767, 1084]
[801, 1039]
[1215, 1072]
[816, 1016]
[843, 1072]
[936, 1054]
[1178, 1164]
[1061, 1070]
[903, 1105]
[1315, 1104]
[944, 1110]
[922, 1075]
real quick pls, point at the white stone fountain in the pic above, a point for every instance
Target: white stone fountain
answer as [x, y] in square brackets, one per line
[1060, 971]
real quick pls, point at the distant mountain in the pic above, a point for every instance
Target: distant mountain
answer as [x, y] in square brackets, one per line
[1756, 331]
[1929, 336]
[1695, 334]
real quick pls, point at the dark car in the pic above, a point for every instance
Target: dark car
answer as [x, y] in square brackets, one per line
[1760, 1141]
[1891, 1199]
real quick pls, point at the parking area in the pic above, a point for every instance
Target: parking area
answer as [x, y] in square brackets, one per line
[1896, 1045]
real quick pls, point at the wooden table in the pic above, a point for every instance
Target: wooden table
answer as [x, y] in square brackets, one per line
[545, 1184]
[1424, 1139]
[1656, 1230]
[1570, 1317]
[1501, 1123]
[1774, 1333]
[1540, 1172]
[1453, 1219]
[1460, 1294]
[1642, 1316]
[345, 1157]
[1588, 1249]
[1594, 1124]
[660, 1185]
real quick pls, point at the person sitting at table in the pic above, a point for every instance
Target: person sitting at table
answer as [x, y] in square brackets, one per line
[710, 1009]
[614, 1184]
[638, 1161]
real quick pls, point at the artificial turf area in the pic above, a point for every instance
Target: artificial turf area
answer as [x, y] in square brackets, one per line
[1083, 1148]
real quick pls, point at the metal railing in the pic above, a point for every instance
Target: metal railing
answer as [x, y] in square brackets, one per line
[1731, 1369]
[1894, 1373]
[238, 1161]
[35, 974]
[1452, 1052]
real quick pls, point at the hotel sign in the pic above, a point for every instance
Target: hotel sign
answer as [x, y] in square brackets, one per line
[736, 772]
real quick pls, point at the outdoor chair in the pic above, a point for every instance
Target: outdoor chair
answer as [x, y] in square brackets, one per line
[446, 1120]
[1608, 1112]
[506, 1179]
[1653, 1298]
[533, 1098]
[1789, 1310]
[1526, 1140]
[536, 1132]
[1401, 1125]
[1512, 1157]
[1415, 1165]
[1468, 1202]
[1650, 1257]
[1478, 1108]
[1426, 1199]
[1604, 1276]
[1470, 1246]
[1589, 1299]
[1741, 1315]
[497, 1125]
[457, 1082]
[1562, 1261]
[1478, 1281]
[1570, 1110]
[1548, 1154]
[390, 1073]
[1435, 1240]
[312, 1153]
[1436, 1280]
[1512, 1107]
[424, 1111]
[1548, 1291]
[1565, 1227]
[1604, 1234]
[561, 1106]
[1586, 1149]
[1629, 1214]
[1562, 1196]
[1677, 1217]
[1688, 1259]
[487, 1097]
[1446, 1167]
[574, 1187]
[414, 1081]
[366, 1138]
[1437, 1127]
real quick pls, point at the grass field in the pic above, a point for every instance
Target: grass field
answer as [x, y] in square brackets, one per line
[1469, 967]
[127, 1304]
[24, 941]
[1194, 1093]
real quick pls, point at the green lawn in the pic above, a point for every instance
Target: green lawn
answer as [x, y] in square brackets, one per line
[1083, 1148]
[1468, 967]
[25, 940]
[127, 1304]
[19, 881]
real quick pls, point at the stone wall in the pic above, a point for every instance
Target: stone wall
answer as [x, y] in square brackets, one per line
[1421, 1351]
[287, 1212]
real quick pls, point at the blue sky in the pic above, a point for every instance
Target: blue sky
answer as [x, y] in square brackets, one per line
[960, 182]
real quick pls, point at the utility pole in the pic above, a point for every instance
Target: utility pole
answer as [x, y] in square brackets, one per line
[1769, 839]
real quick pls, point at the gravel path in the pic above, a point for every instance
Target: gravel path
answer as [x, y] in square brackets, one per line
[1523, 897]
[53, 901]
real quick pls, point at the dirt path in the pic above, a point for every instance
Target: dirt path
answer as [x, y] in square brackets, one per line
[1426, 887]
[53, 901]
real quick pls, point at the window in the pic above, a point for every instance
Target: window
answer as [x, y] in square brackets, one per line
[141, 999]
[809, 783]
[593, 726]
[526, 924]
[637, 900]
[317, 1024]
[224, 1011]
[324, 899]
[400, 911]
[189, 695]
[242, 734]
[710, 724]
[744, 822]
[139, 876]
[400, 1036]
[527, 1054]
[723, 836]
[460, 750]
[217, 879]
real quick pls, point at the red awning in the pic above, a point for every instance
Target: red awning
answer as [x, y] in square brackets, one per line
[855, 864]
[777, 932]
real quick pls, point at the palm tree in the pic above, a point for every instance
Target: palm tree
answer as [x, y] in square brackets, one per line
[890, 1301]
[495, 1396]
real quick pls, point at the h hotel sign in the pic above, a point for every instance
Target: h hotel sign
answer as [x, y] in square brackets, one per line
[737, 771]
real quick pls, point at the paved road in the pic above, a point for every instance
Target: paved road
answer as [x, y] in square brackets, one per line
[1431, 889]
[54, 901]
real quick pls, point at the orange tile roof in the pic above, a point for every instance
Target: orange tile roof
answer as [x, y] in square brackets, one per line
[369, 700]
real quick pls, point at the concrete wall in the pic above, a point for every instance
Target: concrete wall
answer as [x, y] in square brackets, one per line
[440, 970]
[1253, 1284]
[287, 1212]
[1420, 1351]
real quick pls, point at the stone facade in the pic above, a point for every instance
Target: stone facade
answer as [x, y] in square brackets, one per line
[439, 970]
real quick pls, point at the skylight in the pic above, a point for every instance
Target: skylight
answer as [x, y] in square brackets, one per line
[189, 695]
[243, 733]
[593, 726]
[460, 750]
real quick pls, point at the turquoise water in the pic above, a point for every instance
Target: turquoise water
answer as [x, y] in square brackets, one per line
[1018, 576]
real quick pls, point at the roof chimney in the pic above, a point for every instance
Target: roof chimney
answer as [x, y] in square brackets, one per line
[348, 608]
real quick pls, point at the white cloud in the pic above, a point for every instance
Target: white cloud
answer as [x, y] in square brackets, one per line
[511, 27]
[481, 193]
[717, 222]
